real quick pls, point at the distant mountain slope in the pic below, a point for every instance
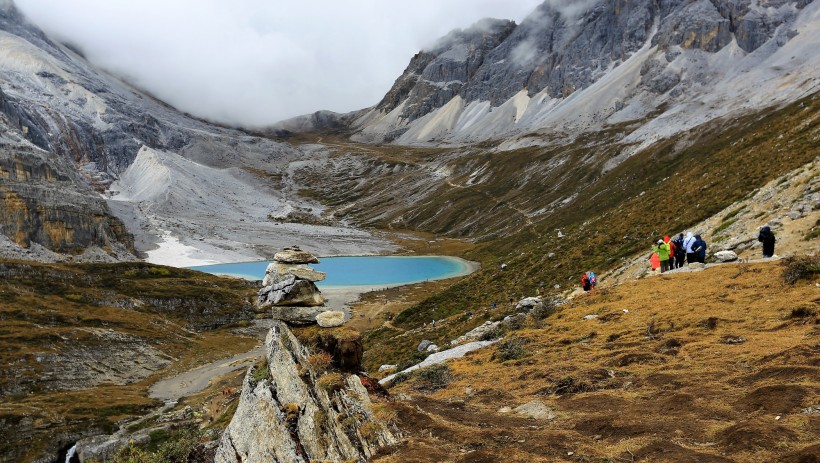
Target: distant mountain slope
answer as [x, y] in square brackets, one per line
[575, 67]
[68, 130]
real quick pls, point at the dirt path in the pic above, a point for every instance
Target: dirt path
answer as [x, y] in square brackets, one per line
[193, 381]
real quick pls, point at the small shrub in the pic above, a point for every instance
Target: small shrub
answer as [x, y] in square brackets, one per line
[494, 333]
[370, 430]
[291, 411]
[331, 382]
[801, 268]
[710, 323]
[320, 362]
[511, 349]
[433, 377]
[261, 371]
[801, 312]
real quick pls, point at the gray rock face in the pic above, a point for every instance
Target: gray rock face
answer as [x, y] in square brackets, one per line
[291, 291]
[559, 49]
[286, 417]
[435, 76]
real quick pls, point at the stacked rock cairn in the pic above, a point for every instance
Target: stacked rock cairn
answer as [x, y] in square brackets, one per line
[289, 290]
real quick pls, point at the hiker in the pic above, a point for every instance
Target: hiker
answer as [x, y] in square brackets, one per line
[585, 282]
[767, 238]
[663, 254]
[687, 245]
[672, 248]
[699, 247]
[593, 280]
[680, 251]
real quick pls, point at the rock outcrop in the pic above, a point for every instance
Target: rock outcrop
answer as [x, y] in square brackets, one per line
[289, 288]
[289, 413]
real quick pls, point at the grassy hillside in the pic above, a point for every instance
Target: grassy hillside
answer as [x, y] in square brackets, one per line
[662, 190]
[82, 343]
[720, 365]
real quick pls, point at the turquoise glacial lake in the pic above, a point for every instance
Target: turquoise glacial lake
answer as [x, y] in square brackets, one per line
[370, 271]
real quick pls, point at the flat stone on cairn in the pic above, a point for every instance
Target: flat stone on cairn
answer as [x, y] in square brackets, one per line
[289, 288]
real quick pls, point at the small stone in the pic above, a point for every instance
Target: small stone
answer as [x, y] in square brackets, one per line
[423, 345]
[388, 367]
[331, 318]
[591, 316]
[432, 348]
[504, 410]
[536, 410]
[725, 256]
[777, 418]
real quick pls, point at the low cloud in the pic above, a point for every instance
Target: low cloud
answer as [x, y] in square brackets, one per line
[255, 62]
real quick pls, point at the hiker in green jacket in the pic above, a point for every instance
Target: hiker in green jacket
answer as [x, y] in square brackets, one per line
[663, 251]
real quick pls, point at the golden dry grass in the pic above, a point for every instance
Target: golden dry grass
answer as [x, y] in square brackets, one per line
[658, 382]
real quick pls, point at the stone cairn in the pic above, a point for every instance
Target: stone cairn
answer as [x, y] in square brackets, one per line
[289, 287]
[290, 292]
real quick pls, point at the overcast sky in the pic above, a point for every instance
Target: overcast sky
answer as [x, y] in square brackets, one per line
[255, 62]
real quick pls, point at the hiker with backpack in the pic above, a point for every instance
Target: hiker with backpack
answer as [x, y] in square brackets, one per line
[585, 282]
[680, 251]
[688, 243]
[699, 248]
[767, 238]
[672, 249]
[663, 254]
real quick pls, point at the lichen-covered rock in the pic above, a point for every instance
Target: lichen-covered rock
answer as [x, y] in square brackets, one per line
[287, 417]
[290, 291]
[529, 303]
[725, 256]
[296, 315]
[294, 255]
[277, 270]
[331, 319]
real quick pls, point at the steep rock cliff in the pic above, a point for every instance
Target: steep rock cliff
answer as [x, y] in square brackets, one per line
[576, 67]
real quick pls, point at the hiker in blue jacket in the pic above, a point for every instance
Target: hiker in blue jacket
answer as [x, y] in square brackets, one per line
[699, 249]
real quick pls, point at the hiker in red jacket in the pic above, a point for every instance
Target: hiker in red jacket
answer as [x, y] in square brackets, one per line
[672, 248]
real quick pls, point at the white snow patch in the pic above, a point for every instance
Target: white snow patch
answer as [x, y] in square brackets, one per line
[173, 252]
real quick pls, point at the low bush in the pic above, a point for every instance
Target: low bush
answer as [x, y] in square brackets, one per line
[433, 377]
[331, 382]
[801, 268]
[511, 349]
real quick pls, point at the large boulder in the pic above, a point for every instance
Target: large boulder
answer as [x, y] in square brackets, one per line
[725, 256]
[529, 303]
[296, 315]
[277, 271]
[283, 415]
[290, 291]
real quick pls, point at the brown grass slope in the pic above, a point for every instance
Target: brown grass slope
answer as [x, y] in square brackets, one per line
[57, 318]
[613, 216]
[711, 366]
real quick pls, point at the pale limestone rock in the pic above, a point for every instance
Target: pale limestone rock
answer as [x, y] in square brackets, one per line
[286, 418]
[330, 318]
[529, 303]
[294, 255]
[725, 256]
[535, 409]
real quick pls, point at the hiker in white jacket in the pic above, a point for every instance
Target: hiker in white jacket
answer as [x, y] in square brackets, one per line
[688, 244]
